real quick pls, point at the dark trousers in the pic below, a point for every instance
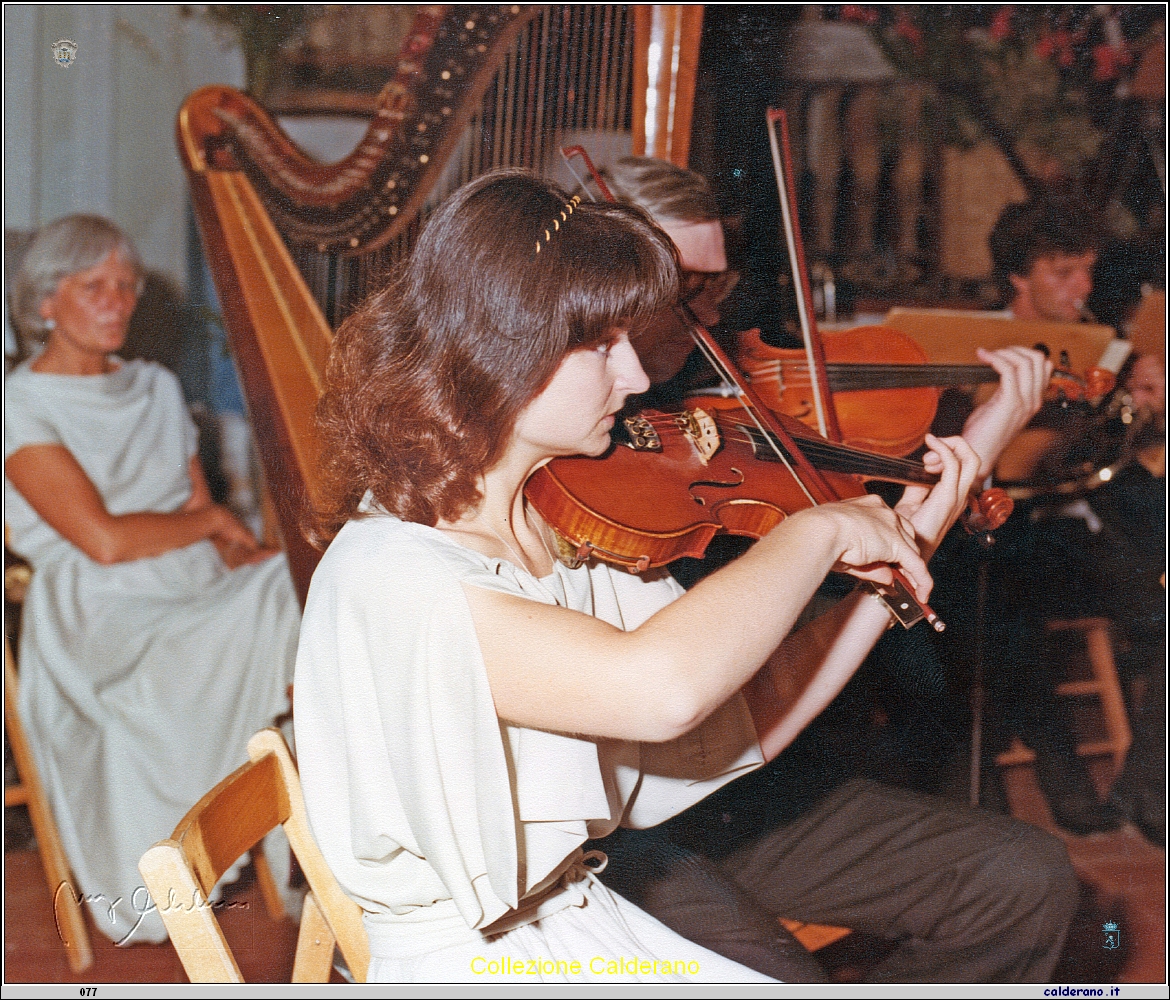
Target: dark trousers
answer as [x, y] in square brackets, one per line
[969, 896]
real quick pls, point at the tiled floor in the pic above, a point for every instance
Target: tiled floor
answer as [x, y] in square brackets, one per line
[263, 948]
[1123, 877]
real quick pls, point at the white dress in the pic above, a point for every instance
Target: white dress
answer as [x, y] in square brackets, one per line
[140, 682]
[458, 834]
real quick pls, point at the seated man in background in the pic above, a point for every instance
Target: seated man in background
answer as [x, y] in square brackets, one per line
[1105, 551]
[1044, 252]
[879, 859]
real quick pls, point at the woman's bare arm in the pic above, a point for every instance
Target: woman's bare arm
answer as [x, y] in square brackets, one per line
[556, 669]
[200, 492]
[234, 549]
[57, 488]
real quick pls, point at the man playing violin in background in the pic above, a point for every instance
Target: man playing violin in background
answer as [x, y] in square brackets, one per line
[1106, 550]
[784, 843]
[1044, 254]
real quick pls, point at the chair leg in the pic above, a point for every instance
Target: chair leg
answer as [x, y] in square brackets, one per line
[1104, 685]
[1100, 651]
[67, 908]
[315, 945]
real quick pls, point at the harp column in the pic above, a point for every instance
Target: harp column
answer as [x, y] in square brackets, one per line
[664, 84]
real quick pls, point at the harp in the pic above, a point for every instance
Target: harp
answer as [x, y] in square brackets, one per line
[294, 245]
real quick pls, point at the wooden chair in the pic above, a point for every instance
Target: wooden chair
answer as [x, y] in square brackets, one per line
[229, 820]
[1103, 684]
[67, 909]
[814, 937]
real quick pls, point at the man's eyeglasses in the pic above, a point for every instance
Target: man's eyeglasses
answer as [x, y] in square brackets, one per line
[714, 286]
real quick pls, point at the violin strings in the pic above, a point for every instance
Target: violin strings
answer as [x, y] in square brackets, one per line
[846, 377]
[841, 458]
[855, 377]
[834, 457]
[730, 378]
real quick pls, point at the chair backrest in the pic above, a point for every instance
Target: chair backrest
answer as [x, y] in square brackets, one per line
[232, 818]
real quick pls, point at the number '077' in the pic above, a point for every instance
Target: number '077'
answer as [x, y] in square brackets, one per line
[89, 991]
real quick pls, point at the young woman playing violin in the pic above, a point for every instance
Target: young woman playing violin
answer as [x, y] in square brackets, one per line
[794, 839]
[469, 710]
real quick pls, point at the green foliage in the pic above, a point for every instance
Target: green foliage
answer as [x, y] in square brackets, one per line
[1016, 74]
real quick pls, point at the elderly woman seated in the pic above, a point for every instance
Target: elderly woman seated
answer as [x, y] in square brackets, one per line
[158, 635]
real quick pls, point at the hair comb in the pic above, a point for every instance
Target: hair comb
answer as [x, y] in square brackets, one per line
[571, 204]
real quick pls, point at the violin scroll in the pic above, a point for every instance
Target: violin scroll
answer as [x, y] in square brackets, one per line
[1099, 382]
[1066, 386]
[986, 513]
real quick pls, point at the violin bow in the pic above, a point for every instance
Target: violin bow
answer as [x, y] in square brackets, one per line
[898, 597]
[567, 154]
[994, 506]
[814, 348]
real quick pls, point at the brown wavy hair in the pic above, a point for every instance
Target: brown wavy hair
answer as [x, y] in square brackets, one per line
[1045, 227]
[427, 378]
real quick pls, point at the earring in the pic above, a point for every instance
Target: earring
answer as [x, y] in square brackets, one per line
[50, 324]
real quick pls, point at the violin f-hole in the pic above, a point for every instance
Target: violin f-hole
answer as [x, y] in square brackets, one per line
[714, 484]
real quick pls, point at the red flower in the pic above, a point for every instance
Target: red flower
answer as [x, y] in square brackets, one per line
[1001, 24]
[858, 14]
[1107, 62]
[1061, 43]
[911, 32]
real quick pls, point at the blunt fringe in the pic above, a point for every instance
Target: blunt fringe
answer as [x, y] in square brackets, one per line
[427, 378]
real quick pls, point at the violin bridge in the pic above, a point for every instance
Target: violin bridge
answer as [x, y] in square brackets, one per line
[643, 436]
[701, 428]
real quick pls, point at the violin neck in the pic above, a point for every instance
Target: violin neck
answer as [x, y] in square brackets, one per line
[855, 377]
[830, 457]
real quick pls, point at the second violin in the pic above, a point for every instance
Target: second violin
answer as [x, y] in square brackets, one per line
[884, 391]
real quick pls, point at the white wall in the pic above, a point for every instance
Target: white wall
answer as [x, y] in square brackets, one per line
[98, 136]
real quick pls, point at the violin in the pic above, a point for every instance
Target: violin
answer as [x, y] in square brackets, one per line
[641, 512]
[884, 391]
[686, 477]
[672, 482]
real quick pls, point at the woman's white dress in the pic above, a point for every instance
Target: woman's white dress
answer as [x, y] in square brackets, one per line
[458, 834]
[140, 682]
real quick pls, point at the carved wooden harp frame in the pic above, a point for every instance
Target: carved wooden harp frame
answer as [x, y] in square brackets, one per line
[263, 206]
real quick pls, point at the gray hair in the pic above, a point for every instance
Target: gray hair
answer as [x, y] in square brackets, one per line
[662, 189]
[69, 245]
